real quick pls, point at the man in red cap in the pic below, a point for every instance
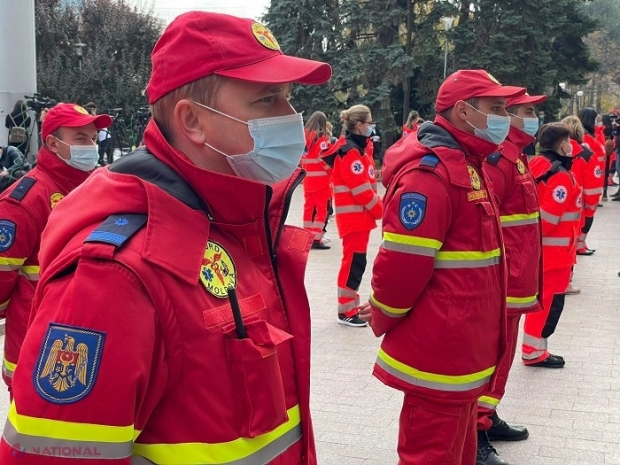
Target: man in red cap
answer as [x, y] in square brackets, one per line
[438, 284]
[515, 191]
[171, 323]
[66, 159]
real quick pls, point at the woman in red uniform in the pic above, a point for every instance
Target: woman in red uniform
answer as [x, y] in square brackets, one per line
[317, 192]
[357, 206]
[411, 125]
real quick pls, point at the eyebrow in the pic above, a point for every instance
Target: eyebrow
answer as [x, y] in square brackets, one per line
[276, 88]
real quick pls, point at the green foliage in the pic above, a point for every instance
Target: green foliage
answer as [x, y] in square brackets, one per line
[533, 43]
[116, 59]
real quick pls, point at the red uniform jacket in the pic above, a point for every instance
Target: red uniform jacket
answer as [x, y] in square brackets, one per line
[412, 130]
[438, 282]
[24, 211]
[132, 315]
[318, 173]
[357, 204]
[588, 175]
[599, 150]
[515, 190]
[560, 201]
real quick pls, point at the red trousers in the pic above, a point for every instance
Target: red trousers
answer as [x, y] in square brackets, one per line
[436, 433]
[352, 267]
[315, 211]
[488, 402]
[540, 325]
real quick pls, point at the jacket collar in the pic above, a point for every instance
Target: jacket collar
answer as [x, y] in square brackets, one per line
[64, 176]
[519, 138]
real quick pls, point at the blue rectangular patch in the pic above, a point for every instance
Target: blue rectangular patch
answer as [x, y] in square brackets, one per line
[117, 229]
[19, 192]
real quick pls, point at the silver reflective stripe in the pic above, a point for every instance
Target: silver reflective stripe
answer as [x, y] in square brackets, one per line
[430, 384]
[308, 224]
[582, 237]
[341, 189]
[483, 404]
[521, 304]
[4, 305]
[344, 308]
[598, 190]
[374, 186]
[565, 241]
[484, 262]
[344, 292]
[9, 267]
[571, 216]
[37, 445]
[549, 217]
[372, 203]
[310, 161]
[412, 249]
[315, 174]
[601, 158]
[349, 209]
[361, 188]
[510, 224]
[539, 343]
[591, 207]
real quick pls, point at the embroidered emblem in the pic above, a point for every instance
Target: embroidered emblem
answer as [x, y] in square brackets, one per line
[68, 363]
[477, 195]
[218, 272]
[520, 167]
[7, 234]
[323, 145]
[559, 194]
[80, 109]
[412, 209]
[265, 37]
[357, 167]
[579, 202]
[371, 172]
[474, 178]
[55, 198]
[597, 172]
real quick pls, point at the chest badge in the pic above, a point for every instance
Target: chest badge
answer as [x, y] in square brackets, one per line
[55, 198]
[474, 178]
[520, 167]
[218, 272]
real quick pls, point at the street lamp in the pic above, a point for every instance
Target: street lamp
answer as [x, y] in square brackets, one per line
[579, 95]
[447, 21]
[79, 50]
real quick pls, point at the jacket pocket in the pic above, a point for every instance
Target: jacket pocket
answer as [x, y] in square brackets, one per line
[256, 377]
[453, 343]
[489, 229]
[529, 194]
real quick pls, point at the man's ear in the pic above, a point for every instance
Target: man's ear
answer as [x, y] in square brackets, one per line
[187, 120]
[51, 143]
[460, 110]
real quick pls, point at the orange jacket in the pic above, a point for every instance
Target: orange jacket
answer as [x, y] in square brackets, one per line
[410, 130]
[318, 173]
[356, 202]
[438, 282]
[588, 175]
[599, 150]
[560, 201]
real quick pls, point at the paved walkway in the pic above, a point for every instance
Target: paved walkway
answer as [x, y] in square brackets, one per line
[573, 414]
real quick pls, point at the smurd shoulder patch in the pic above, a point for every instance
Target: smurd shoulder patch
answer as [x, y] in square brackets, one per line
[412, 209]
[7, 234]
[68, 363]
[117, 229]
[218, 272]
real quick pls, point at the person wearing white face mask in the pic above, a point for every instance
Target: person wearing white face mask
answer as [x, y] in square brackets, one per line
[515, 190]
[66, 159]
[173, 276]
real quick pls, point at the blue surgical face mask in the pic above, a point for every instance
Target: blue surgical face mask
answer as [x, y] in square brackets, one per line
[83, 157]
[279, 143]
[369, 130]
[530, 125]
[497, 128]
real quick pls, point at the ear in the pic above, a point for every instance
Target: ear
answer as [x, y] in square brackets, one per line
[187, 118]
[51, 143]
[460, 110]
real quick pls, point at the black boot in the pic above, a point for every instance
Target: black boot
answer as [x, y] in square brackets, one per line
[486, 454]
[502, 431]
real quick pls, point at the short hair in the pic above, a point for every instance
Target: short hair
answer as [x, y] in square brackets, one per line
[354, 115]
[576, 129]
[202, 90]
[551, 134]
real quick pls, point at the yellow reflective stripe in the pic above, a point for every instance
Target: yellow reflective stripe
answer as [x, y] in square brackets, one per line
[488, 400]
[519, 217]
[11, 264]
[30, 272]
[8, 368]
[521, 300]
[4, 305]
[472, 379]
[412, 240]
[468, 255]
[198, 453]
[389, 311]
[67, 430]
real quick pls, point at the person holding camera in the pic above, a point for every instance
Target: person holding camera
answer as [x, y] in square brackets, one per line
[18, 122]
[64, 161]
[13, 166]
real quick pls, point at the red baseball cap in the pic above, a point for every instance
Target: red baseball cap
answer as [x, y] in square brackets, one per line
[525, 99]
[71, 115]
[471, 83]
[198, 44]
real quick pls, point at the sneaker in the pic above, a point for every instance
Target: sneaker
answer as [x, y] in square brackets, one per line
[354, 321]
[325, 238]
[571, 290]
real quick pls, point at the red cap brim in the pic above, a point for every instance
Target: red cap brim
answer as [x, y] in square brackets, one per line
[526, 99]
[503, 91]
[280, 69]
[100, 121]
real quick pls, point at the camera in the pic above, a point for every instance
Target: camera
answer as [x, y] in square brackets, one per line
[39, 103]
[142, 114]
